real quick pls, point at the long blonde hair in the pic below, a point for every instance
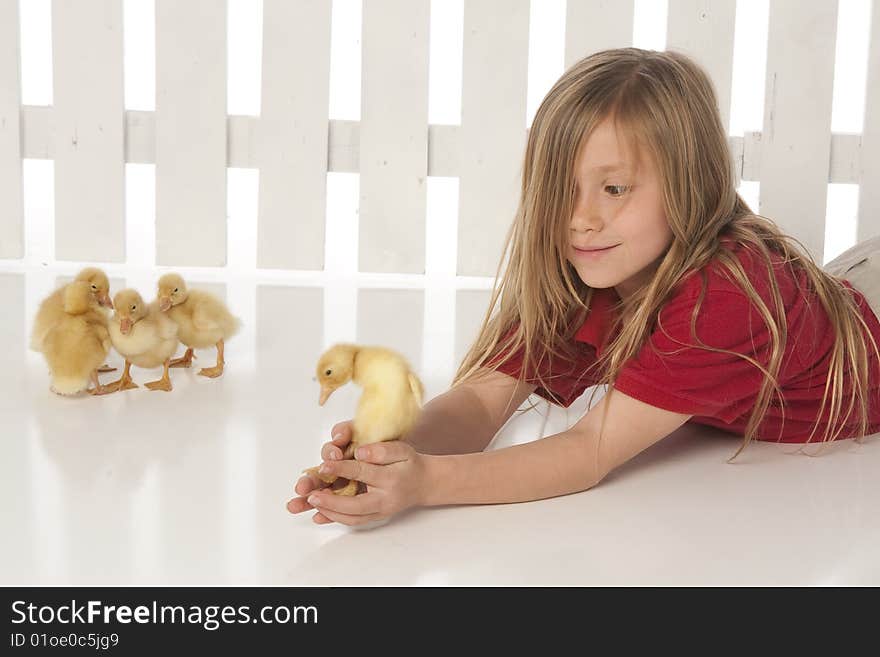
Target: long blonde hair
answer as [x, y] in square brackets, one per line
[665, 103]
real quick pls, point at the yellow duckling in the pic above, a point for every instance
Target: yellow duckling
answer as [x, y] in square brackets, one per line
[78, 342]
[51, 310]
[202, 321]
[144, 336]
[388, 407]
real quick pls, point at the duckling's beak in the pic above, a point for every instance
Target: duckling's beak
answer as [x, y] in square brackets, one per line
[164, 304]
[104, 300]
[125, 325]
[325, 392]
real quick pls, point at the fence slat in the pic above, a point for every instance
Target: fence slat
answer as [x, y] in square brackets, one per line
[493, 134]
[89, 122]
[592, 25]
[394, 136]
[293, 134]
[375, 306]
[869, 191]
[344, 145]
[11, 191]
[191, 132]
[796, 137]
[703, 30]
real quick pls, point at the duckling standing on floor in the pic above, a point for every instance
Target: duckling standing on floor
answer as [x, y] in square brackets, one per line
[144, 336]
[388, 407]
[202, 321]
[78, 342]
[51, 310]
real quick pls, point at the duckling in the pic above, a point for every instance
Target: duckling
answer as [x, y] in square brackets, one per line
[388, 407]
[78, 342]
[202, 320]
[143, 335]
[52, 308]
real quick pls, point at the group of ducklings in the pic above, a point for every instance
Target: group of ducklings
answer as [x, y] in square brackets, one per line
[74, 331]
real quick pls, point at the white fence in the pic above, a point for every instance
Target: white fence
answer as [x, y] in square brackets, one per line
[292, 143]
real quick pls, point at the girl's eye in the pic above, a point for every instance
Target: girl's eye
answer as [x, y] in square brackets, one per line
[617, 190]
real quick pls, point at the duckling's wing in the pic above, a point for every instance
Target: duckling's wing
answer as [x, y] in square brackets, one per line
[204, 317]
[416, 386]
[167, 326]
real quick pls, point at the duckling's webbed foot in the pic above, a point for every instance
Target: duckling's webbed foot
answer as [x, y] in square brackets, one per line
[162, 384]
[326, 478]
[350, 489]
[211, 372]
[124, 382]
[217, 370]
[97, 388]
[184, 361]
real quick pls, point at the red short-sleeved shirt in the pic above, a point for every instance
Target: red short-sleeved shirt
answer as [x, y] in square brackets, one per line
[720, 389]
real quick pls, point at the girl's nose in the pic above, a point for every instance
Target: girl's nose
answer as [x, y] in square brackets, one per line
[585, 217]
[581, 222]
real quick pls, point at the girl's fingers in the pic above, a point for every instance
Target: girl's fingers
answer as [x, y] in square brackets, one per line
[298, 505]
[306, 484]
[351, 469]
[320, 519]
[347, 519]
[356, 505]
[341, 433]
[332, 451]
[391, 451]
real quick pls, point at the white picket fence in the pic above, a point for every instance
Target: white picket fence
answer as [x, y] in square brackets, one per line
[293, 144]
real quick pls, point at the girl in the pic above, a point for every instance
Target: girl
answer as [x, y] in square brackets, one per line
[635, 265]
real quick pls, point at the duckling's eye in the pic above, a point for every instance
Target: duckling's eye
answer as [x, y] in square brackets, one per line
[134, 307]
[328, 372]
[94, 287]
[175, 291]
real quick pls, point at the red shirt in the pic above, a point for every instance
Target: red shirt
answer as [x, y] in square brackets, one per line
[720, 389]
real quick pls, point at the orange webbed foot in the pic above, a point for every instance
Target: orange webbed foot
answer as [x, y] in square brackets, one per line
[184, 361]
[211, 372]
[161, 384]
[326, 478]
[101, 390]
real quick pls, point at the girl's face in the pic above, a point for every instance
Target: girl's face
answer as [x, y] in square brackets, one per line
[619, 207]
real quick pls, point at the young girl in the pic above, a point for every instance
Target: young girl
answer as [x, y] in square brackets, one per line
[635, 265]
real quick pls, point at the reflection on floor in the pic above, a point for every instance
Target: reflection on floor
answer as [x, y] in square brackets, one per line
[189, 487]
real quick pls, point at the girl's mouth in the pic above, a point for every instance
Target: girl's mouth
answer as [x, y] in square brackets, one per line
[592, 255]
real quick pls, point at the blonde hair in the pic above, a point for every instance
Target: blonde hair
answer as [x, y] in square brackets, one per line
[665, 103]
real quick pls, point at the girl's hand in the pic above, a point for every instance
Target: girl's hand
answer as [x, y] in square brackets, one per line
[333, 450]
[394, 474]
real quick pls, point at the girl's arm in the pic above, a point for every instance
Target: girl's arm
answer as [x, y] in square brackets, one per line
[566, 462]
[398, 477]
[467, 417]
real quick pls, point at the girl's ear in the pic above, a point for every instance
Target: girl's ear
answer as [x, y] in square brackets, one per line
[76, 298]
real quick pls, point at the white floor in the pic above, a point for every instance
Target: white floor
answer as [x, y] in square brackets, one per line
[189, 487]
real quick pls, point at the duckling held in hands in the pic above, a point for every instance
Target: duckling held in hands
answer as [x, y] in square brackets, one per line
[144, 336]
[202, 320]
[389, 405]
[78, 342]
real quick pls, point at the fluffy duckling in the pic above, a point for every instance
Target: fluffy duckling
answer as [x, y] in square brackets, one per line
[388, 407]
[51, 310]
[78, 342]
[202, 320]
[143, 335]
